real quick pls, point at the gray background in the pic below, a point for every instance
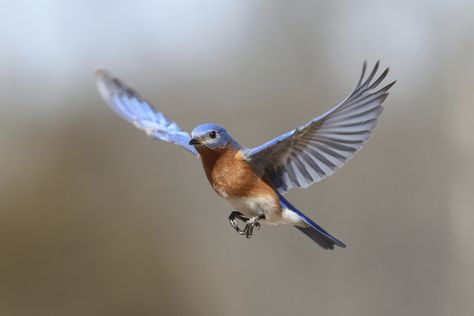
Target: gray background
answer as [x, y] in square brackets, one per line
[96, 219]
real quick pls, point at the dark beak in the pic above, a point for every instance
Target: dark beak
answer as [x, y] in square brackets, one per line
[194, 141]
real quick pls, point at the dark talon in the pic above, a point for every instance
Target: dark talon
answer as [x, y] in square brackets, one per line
[250, 223]
[233, 223]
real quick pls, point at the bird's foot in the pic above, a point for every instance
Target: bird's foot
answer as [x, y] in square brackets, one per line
[237, 215]
[250, 224]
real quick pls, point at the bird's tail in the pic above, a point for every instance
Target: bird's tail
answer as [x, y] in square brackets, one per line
[313, 230]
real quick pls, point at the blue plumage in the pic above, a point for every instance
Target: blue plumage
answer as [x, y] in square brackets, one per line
[133, 108]
[314, 231]
[316, 149]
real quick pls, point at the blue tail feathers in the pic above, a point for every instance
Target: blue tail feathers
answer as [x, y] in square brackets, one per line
[313, 231]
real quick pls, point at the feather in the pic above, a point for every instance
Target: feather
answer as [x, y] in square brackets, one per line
[317, 148]
[134, 109]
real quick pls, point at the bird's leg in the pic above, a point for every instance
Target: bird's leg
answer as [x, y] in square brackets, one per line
[250, 224]
[233, 223]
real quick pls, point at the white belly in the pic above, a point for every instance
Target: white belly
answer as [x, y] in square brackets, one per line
[274, 214]
[253, 206]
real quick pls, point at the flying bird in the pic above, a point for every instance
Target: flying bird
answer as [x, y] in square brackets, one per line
[253, 180]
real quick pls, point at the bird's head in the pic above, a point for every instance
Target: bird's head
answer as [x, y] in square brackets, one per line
[211, 136]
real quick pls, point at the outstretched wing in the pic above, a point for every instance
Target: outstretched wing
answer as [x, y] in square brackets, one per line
[316, 149]
[131, 107]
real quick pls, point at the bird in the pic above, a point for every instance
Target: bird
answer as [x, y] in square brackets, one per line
[254, 180]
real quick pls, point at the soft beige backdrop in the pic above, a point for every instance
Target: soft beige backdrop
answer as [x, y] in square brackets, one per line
[96, 219]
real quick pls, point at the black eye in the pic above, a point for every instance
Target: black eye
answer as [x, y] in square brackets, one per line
[212, 134]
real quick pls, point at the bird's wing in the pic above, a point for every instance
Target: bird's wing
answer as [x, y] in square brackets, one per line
[134, 109]
[316, 149]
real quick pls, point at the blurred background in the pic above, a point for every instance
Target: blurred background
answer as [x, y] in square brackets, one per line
[97, 219]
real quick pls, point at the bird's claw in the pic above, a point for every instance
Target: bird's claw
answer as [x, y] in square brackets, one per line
[233, 222]
[250, 223]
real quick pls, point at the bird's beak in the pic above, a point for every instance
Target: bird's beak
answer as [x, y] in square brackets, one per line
[194, 141]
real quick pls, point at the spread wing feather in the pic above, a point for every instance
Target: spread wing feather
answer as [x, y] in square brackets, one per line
[134, 109]
[316, 149]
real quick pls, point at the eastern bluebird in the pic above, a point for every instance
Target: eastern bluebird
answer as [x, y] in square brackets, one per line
[254, 180]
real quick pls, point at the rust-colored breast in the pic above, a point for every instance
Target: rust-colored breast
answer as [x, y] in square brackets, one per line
[230, 175]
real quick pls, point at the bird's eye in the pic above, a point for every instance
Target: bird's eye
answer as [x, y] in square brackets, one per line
[212, 134]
